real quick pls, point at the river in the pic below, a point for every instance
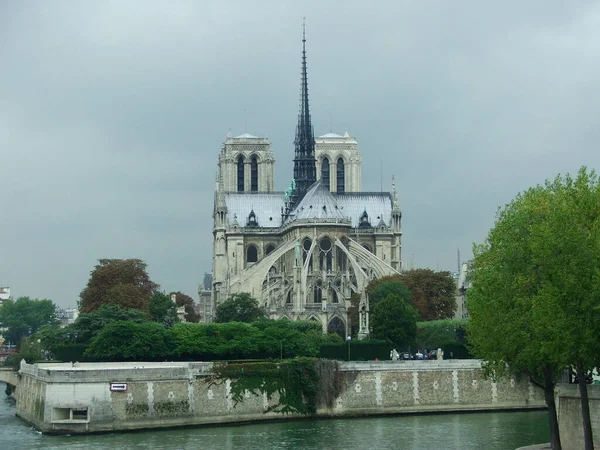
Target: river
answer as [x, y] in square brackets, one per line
[498, 430]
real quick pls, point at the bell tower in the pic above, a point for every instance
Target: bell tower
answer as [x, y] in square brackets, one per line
[246, 164]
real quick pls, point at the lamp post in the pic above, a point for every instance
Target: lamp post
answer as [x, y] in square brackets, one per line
[348, 339]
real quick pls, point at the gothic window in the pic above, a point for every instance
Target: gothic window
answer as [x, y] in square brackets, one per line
[336, 325]
[318, 292]
[269, 249]
[289, 297]
[341, 187]
[367, 248]
[253, 174]
[325, 172]
[306, 246]
[240, 173]
[252, 254]
[325, 256]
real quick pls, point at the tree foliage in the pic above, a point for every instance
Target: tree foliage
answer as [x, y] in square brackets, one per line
[440, 333]
[131, 341]
[432, 293]
[189, 305]
[536, 286]
[395, 319]
[162, 309]
[240, 307]
[122, 282]
[25, 316]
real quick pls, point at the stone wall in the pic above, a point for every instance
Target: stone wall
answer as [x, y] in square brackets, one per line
[65, 398]
[570, 421]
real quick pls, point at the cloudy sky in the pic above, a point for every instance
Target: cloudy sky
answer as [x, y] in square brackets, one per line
[112, 115]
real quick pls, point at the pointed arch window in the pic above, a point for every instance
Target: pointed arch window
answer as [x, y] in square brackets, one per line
[252, 254]
[341, 186]
[325, 172]
[253, 174]
[240, 173]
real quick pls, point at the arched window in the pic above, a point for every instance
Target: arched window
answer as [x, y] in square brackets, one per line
[341, 186]
[269, 249]
[318, 292]
[252, 254]
[240, 173]
[253, 174]
[325, 172]
[326, 256]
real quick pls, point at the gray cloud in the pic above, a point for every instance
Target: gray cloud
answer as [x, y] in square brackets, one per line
[112, 115]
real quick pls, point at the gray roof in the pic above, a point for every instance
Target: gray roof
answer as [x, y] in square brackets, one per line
[267, 206]
[318, 203]
[377, 204]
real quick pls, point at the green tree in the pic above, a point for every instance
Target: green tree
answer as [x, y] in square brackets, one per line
[187, 302]
[162, 309]
[535, 295]
[432, 293]
[131, 341]
[88, 325]
[239, 308]
[395, 319]
[122, 282]
[25, 316]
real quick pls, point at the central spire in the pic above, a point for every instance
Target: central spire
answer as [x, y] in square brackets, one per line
[305, 167]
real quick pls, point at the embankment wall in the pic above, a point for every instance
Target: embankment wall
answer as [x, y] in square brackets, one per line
[83, 398]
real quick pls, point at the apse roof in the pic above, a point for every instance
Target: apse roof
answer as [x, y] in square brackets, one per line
[246, 136]
[267, 206]
[318, 203]
[330, 135]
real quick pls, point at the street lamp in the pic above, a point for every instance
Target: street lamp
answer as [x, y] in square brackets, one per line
[348, 339]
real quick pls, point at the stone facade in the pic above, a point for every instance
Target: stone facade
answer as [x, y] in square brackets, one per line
[96, 397]
[303, 262]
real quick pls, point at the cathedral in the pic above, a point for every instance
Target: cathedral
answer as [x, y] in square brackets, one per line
[302, 252]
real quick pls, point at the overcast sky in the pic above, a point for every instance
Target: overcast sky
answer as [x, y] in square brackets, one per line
[112, 115]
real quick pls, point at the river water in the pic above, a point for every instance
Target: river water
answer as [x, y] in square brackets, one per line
[499, 430]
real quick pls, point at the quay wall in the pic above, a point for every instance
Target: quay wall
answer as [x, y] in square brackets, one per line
[83, 397]
[570, 419]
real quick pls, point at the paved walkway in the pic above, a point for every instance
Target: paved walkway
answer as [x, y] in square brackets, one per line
[537, 447]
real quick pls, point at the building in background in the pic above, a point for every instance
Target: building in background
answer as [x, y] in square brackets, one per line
[204, 307]
[67, 315]
[4, 294]
[463, 284]
[303, 252]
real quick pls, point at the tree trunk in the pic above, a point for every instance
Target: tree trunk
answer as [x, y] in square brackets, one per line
[549, 385]
[585, 407]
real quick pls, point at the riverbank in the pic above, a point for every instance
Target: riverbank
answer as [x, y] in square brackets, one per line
[491, 431]
[106, 397]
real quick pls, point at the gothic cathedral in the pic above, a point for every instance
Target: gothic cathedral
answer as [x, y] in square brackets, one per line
[304, 252]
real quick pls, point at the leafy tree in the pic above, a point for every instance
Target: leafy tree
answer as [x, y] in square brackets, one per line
[30, 350]
[239, 308]
[25, 316]
[162, 309]
[88, 325]
[188, 303]
[439, 333]
[534, 300]
[122, 282]
[432, 293]
[130, 341]
[395, 319]
[381, 288]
